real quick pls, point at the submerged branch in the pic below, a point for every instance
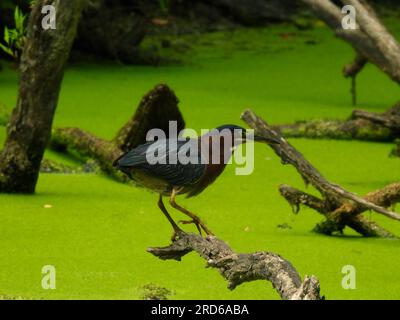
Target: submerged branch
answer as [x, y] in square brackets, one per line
[348, 214]
[297, 197]
[354, 129]
[340, 206]
[309, 173]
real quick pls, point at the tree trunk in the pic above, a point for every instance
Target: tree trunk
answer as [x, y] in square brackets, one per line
[363, 125]
[42, 69]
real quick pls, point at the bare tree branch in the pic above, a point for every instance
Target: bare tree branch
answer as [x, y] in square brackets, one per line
[296, 197]
[379, 35]
[238, 268]
[371, 39]
[289, 155]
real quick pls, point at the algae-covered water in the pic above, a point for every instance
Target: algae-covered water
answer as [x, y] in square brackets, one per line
[96, 231]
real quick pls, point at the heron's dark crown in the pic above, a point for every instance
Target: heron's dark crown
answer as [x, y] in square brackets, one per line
[230, 127]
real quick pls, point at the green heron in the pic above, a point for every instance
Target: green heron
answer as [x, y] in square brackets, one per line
[172, 178]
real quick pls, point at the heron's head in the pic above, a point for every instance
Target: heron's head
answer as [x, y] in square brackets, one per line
[242, 135]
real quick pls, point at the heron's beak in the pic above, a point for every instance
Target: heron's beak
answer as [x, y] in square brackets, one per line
[258, 138]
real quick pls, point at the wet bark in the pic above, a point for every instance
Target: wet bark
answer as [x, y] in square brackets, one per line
[42, 69]
[238, 268]
[337, 203]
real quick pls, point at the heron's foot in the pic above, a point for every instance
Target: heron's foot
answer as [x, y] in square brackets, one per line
[177, 232]
[199, 225]
[206, 230]
[194, 222]
[174, 236]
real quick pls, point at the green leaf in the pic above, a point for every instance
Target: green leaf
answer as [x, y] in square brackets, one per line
[6, 35]
[7, 50]
[15, 38]
[16, 15]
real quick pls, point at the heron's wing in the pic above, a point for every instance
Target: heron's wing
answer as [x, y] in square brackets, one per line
[178, 174]
[134, 157]
[174, 172]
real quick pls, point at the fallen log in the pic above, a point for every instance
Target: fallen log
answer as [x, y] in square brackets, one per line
[353, 129]
[51, 166]
[238, 268]
[336, 201]
[389, 119]
[86, 145]
[363, 125]
[156, 109]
